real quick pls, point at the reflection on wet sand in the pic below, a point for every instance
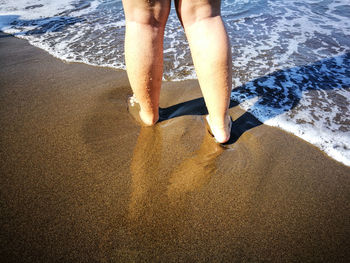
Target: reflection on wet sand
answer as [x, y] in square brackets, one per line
[162, 182]
[196, 171]
[153, 181]
[144, 168]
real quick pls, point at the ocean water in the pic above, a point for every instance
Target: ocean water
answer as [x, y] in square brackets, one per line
[291, 59]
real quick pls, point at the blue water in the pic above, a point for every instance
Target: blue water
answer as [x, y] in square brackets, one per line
[291, 59]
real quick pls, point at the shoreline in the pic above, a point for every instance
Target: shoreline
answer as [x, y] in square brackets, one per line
[82, 182]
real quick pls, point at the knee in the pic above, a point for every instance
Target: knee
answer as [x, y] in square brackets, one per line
[193, 11]
[153, 13]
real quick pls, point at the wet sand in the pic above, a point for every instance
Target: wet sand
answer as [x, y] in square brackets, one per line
[81, 182]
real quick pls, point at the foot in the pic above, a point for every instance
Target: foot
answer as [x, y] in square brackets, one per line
[221, 133]
[141, 117]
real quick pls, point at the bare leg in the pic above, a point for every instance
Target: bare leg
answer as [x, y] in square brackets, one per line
[145, 22]
[211, 54]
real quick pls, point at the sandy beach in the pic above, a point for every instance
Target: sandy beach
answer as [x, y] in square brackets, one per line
[82, 182]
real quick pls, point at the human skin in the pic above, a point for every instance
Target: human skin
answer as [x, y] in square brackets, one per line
[210, 49]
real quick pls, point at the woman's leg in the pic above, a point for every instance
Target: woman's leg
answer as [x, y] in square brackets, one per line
[211, 54]
[145, 22]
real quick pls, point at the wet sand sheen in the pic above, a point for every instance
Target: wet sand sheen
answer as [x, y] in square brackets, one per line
[80, 181]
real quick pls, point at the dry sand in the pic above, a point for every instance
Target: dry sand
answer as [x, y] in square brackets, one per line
[81, 182]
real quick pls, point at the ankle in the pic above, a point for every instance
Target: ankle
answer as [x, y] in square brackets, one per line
[221, 128]
[149, 118]
[219, 122]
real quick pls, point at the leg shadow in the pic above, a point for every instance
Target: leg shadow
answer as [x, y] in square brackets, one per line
[197, 107]
[244, 123]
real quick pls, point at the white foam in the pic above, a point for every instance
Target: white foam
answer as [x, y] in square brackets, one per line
[88, 8]
[34, 9]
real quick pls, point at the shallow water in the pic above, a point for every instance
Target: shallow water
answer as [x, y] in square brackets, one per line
[291, 59]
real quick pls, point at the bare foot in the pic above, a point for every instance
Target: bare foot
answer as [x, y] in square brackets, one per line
[221, 133]
[142, 118]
